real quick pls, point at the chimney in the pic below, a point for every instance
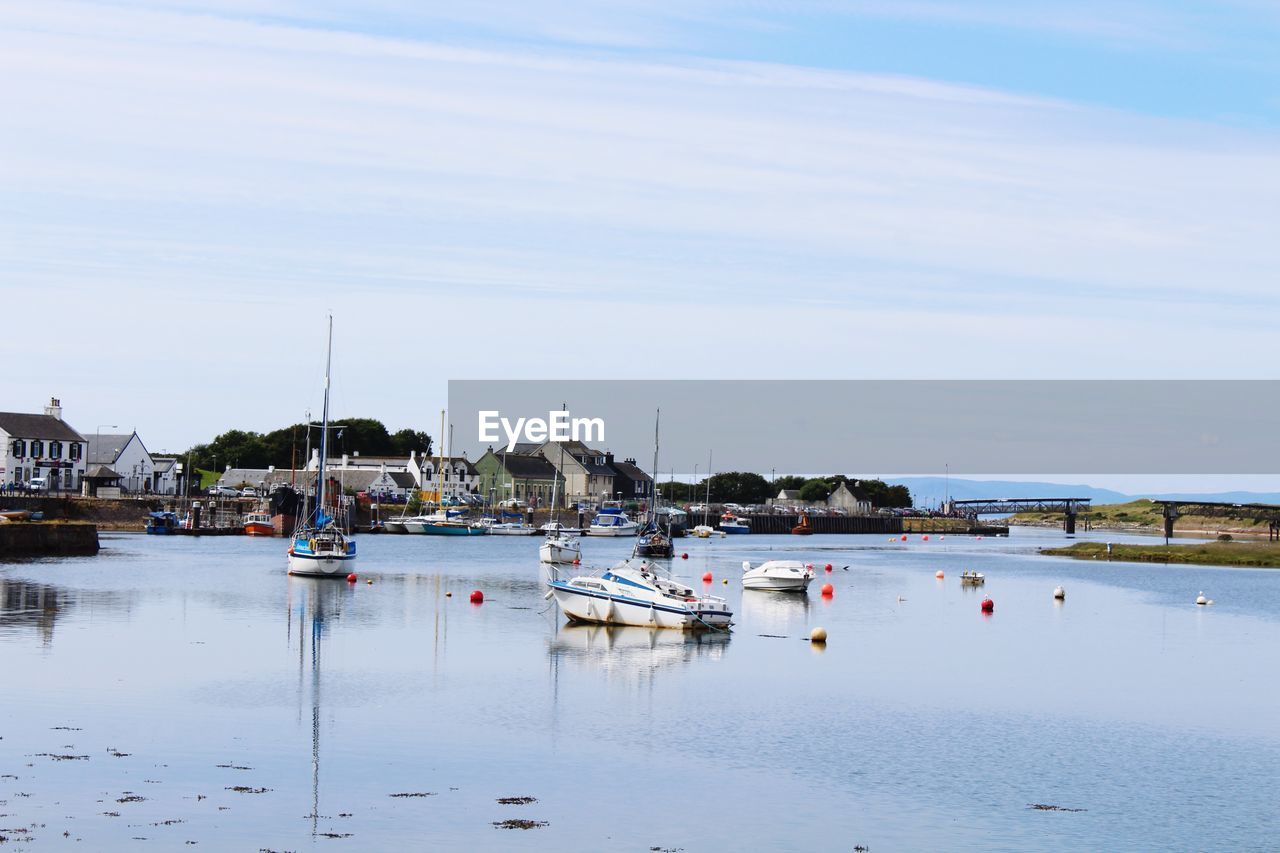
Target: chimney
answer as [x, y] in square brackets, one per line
[608, 458]
[54, 409]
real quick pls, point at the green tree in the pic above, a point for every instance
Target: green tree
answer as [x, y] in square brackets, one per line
[788, 483]
[743, 487]
[814, 490]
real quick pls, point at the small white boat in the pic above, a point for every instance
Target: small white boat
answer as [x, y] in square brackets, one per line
[702, 531]
[968, 578]
[556, 527]
[634, 594]
[612, 521]
[507, 528]
[395, 525]
[560, 548]
[778, 575]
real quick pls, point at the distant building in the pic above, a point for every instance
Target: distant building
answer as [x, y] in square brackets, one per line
[41, 446]
[629, 482]
[852, 500]
[127, 456]
[167, 475]
[513, 476]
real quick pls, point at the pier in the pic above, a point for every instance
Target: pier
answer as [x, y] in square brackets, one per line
[1219, 509]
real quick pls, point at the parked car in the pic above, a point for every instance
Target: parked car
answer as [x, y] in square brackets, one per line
[248, 492]
[223, 491]
[513, 503]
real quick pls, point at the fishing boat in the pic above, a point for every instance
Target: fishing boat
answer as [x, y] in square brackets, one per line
[730, 523]
[803, 528]
[320, 546]
[612, 521]
[778, 575]
[632, 593]
[652, 542]
[259, 524]
[971, 578]
[162, 523]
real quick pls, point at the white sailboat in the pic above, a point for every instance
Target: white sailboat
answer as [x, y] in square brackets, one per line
[560, 547]
[320, 546]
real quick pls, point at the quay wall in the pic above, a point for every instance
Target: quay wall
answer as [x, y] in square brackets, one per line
[45, 539]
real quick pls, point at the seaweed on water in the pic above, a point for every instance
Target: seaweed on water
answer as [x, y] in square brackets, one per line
[334, 834]
[1045, 807]
[517, 801]
[520, 823]
[245, 789]
[130, 797]
[415, 794]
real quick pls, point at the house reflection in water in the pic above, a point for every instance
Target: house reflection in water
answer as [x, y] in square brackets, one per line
[37, 606]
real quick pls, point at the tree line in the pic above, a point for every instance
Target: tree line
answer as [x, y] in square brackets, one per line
[745, 487]
[287, 447]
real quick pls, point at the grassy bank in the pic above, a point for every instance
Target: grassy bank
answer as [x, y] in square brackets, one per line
[1145, 515]
[1258, 554]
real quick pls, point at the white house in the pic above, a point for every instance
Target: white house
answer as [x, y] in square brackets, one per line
[125, 454]
[42, 446]
[458, 475]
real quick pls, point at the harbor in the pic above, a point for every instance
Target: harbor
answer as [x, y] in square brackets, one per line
[393, 712]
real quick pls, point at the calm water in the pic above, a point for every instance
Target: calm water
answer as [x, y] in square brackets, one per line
[923, 725]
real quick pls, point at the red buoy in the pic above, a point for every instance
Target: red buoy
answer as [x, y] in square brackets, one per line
[706, 577]
[684, 556]
[577, 562]
[351, 578]
[827, 567]
[828, 590]
[925, 537]
[477, 597]
[904, 537]
[988, 606]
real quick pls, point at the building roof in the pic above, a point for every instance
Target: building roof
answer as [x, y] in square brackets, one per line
[630, 469]
[22, 425]
[163, 463]
[403, 479]
[789, 495]
[527, 448]
[451, 462]
[106, 447]
[101, 472]
[530, 467]
[853, 490]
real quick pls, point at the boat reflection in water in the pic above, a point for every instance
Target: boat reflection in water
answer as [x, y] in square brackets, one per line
[774, 613]
[315, 605]
[627, 649]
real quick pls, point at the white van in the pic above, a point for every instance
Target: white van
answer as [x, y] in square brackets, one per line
[38, 484]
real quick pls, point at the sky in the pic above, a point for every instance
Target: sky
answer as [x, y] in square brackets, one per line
[704, 189]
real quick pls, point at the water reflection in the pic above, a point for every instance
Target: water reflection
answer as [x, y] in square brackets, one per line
[37, 606]
[622, 650]
[316, 604]
[773, 612]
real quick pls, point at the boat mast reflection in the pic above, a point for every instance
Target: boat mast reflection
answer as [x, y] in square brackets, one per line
[316, 603]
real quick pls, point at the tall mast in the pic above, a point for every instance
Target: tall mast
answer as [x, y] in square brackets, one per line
[324, 429]
[440, 468]
[653, 496]
[706, 506]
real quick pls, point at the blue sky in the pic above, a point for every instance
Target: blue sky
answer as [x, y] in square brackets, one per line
[864, 189]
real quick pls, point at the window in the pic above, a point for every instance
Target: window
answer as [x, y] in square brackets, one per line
[55, 449]
[37, 449]
[19, 449]
[75, 451]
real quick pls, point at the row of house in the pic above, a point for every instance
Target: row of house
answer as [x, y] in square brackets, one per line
[571, 470]
[381, 476]
[45, 450]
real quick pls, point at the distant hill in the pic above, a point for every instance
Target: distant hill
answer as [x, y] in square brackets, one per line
[932, 491]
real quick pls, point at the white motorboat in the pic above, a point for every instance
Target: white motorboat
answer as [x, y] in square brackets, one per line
[552, 527]
[778, 575]
[634, 593]
[507, 528]
[971, 578]
[730, 523]
[612, 521]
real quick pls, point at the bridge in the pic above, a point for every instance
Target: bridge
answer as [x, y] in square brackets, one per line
[1219, 509]
[1069, 507]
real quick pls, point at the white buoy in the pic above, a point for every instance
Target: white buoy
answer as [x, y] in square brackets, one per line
[1059, 594]
[818, 635]
[1200, 599]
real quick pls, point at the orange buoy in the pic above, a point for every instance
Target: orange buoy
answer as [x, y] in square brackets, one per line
[828, 590]
[477, 597]
[351, 578]
[577, 562]
[706, 577]
[939, 574]
[988, 606]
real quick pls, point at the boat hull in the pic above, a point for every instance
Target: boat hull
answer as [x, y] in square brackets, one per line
[776, 583]
[453, 530]
[559, 552]
[322, 565]
[614, 530]
[259, 528]
[735, 528]
[393, 526]
[581, 605]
